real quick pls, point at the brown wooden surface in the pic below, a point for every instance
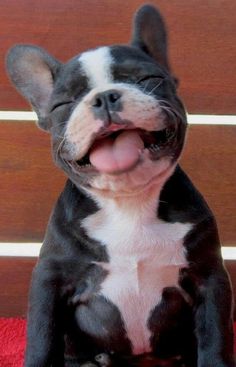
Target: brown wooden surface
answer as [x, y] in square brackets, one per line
[202, 41]
[30, 183]
[210, 160]
[15, 275]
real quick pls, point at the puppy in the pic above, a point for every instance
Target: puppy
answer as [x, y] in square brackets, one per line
[130, 272]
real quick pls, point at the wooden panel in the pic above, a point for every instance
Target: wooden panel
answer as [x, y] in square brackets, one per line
[15, 275]
[210, 159]
[30, 183]
[202, 40]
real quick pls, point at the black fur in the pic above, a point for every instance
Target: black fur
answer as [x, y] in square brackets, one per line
[69, 323]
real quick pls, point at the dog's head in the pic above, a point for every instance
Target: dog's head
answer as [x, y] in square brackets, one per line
[116, 122]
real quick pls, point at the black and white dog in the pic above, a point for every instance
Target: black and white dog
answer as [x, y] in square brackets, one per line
[130, 272]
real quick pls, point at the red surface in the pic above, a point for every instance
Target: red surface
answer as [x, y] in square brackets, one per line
[12, 342]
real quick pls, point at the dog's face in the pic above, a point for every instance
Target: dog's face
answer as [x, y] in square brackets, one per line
[116, 122]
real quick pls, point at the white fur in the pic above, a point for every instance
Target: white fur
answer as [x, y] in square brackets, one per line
[96, 64]
[141, 109]
[145, 255]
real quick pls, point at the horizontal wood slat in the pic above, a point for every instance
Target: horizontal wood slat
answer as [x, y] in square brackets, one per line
[15, 275]
[30, 182]
[202, 41]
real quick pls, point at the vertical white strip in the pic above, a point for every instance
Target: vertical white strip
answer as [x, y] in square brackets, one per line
[96, 65]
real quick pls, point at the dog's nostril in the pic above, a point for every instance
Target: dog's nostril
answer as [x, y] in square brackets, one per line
[106, 100]
[97, 102]
[113, 97]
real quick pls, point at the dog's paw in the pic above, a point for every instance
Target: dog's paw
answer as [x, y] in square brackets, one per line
[103, 360]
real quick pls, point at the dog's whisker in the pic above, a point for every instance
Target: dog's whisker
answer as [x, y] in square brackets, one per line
[146, 85]
[59, 136]
[58, 155]
[59, 149]
[162, 201]
[169, 109]
[156, 86]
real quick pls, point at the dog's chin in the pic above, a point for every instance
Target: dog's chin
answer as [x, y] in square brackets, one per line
[138, 180]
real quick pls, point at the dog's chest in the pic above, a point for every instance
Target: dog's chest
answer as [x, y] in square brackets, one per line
[145, 256]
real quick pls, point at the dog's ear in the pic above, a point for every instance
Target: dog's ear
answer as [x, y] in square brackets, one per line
[32, 70]
[149, 34]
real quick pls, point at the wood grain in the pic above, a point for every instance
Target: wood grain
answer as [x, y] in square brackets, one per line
[202, 41]
[15, 275]
[30, 183]
[209, 159]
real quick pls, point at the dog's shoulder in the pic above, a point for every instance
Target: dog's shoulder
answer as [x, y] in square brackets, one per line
[180, 200]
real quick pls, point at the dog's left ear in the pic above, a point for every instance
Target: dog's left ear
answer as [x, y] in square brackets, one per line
[150, 35]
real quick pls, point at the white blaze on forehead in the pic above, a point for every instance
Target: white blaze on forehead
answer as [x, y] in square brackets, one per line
[96, 64]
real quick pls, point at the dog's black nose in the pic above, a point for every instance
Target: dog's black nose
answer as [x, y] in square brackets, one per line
[109, 100]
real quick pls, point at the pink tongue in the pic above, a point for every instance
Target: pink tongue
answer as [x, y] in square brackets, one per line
[121, 154]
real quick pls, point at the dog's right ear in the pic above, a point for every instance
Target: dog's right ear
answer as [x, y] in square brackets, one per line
[32, 70]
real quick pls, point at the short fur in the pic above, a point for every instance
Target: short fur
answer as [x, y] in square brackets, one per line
[130, 272]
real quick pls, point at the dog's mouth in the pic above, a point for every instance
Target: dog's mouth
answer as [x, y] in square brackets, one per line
[120, 151]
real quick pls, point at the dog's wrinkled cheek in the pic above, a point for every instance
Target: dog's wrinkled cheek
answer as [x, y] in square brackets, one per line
[80, 129]
[143, 110]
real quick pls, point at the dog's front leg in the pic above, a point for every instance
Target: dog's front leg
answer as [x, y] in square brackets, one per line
[45, 345]
[213, 321]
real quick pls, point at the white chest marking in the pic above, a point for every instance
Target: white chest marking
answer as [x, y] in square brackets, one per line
[96, 65]
[145, 256]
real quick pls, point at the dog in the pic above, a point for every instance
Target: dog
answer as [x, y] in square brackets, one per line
[130, 272]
